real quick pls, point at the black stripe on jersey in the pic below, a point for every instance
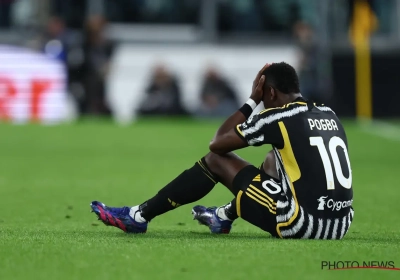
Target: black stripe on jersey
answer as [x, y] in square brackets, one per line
[336, 223]
[320, 229]
[310, 227]
[315, 228]
[327, 229]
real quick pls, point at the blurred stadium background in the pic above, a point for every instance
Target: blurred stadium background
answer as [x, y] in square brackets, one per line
[135, 89]
[103, 57]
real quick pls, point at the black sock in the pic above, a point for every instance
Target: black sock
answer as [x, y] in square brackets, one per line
[230, 210]
[190, 186]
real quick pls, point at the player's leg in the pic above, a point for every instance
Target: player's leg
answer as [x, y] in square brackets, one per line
[225, 168]
[257, 200]
[256, 196]
[191, 185]
[268, 166]
[194, 184]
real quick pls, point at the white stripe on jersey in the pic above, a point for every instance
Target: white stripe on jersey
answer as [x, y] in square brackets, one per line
[283, 204]
[343, 227]
[295, 229]
[309, 228]
[349, 218]
[256, 140]
[285, 180]
[285, 217]
[328, 225]
[347, 221]
[274, 117]
[325, 109]
[277, 167]
[335, 226]
[320, 226]
[286, 205]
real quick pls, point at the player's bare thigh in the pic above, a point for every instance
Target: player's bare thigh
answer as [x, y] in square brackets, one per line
[269, 165]
[227, 166]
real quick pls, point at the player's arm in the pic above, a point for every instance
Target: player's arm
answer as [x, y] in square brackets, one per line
[227, 139]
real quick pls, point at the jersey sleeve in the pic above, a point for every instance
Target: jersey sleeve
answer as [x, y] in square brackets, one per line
[261, 129]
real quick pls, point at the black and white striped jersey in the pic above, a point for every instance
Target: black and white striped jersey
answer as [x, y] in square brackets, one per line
[312, 160]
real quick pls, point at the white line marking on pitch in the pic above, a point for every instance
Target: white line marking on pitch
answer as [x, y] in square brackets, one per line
[381, 129]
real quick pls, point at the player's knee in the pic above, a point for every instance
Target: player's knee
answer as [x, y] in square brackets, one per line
[211, 160]
[214, 161]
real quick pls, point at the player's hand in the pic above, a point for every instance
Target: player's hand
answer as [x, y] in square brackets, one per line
[258, 84]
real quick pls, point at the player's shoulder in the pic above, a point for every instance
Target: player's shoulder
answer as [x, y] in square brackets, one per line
[293, 111]
[289, 110]
[324, 108]
[284, 108]
[295, 108]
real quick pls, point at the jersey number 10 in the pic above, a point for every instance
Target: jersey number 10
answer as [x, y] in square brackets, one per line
[334, 142]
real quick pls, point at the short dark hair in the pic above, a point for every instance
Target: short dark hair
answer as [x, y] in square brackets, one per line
[282, 77]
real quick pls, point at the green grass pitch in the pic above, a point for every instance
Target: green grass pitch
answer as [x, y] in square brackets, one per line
[49, 175]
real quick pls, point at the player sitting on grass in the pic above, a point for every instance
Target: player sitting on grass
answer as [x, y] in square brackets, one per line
[303, 189]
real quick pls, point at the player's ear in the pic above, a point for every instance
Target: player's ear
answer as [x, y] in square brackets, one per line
[273, 94]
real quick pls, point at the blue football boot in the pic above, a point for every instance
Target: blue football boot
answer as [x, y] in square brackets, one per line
[208, 217]
[118, 217]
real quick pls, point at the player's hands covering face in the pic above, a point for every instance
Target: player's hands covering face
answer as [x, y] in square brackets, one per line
[258, 85]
